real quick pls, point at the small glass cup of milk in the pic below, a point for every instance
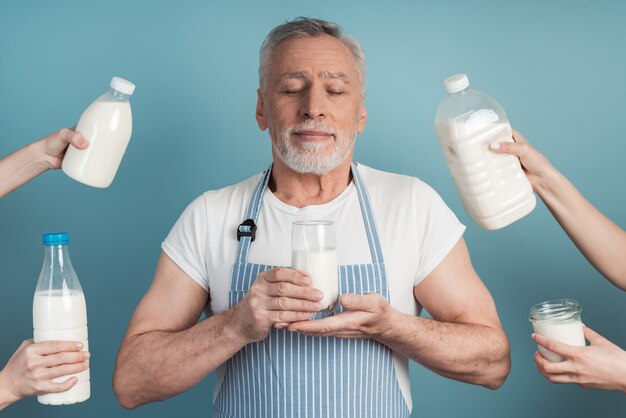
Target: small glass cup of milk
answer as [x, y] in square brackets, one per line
[314, 251]
[558, 319]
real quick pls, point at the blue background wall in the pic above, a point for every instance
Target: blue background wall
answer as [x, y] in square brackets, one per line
[557, 67]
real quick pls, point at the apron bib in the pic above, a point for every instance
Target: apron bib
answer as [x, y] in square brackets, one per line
[289, 374]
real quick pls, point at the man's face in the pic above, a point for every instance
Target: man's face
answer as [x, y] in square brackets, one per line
[312, 103]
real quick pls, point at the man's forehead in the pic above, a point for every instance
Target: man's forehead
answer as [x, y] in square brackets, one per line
[326, 56]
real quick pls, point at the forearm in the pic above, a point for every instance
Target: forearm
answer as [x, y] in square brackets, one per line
[6, 396]
[600, 240]
[20, 167]
[160, 364]
[470, 353]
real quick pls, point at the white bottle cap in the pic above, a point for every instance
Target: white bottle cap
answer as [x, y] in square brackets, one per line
[123, 86]
[456, 83]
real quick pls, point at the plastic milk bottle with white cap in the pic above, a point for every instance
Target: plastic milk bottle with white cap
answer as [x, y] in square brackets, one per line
[493, 187]
[60, 313]
[107, 124]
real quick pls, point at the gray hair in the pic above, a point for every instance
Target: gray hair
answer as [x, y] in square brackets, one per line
[303, 27]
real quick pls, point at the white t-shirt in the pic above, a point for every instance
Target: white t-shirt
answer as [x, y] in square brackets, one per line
[416, 230]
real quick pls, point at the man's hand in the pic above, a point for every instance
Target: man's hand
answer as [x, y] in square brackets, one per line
[32, 367]
[367, 316]
[601, 365]
[277, 298]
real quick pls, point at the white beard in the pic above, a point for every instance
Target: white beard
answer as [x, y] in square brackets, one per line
[307, 157]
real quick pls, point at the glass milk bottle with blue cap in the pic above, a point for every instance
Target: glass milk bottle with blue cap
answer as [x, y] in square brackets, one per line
[107, 124]
[60, 313]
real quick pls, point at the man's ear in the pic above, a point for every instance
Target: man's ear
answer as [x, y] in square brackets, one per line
[260, 111]
[362, 119]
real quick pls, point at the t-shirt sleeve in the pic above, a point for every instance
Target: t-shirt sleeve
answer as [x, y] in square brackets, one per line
[440, 228]
[186, 244]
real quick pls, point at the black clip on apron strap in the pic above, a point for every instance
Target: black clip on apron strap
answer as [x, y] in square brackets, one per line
[246, 229]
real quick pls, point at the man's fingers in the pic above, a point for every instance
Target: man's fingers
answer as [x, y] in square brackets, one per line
[289, 290]
[284, 274]
[52, 347]
[282, 317]
[289, 304]
[344, 322]
[354, 302]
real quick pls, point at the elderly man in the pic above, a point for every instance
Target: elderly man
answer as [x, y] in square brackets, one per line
[400, 250]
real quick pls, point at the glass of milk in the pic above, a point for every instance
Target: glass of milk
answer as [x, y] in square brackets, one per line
[314, 251]
[558, 319]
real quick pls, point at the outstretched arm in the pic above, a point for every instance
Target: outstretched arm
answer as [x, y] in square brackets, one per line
[600, 240]
[30, 161]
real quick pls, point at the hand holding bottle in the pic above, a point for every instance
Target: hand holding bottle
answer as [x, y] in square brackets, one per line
[32, 367]
[535, 165]
[33, 159]
[599, 239]
[53, 146]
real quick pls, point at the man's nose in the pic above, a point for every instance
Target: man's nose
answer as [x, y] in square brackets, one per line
[314, 104]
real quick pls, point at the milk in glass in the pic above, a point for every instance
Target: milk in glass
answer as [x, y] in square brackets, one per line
[314, 251]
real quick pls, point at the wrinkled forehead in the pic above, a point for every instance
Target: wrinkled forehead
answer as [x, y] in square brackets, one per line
[321, 56]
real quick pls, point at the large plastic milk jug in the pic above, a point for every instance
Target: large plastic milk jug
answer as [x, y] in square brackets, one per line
[493, 187]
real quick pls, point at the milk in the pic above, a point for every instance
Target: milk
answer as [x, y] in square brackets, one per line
[321, 265]
[568, 332]
[108, 127]
[493, 187]
[60, 315]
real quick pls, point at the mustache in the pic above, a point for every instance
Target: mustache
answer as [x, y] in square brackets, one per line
[312, 125]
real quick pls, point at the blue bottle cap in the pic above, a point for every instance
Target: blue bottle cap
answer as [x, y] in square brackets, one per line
[56, 238]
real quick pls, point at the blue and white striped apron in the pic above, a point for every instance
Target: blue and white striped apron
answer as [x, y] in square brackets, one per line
[289, 374]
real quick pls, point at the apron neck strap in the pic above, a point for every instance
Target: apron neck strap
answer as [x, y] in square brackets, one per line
[254, 207]
[252, 214]
[368, 217]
